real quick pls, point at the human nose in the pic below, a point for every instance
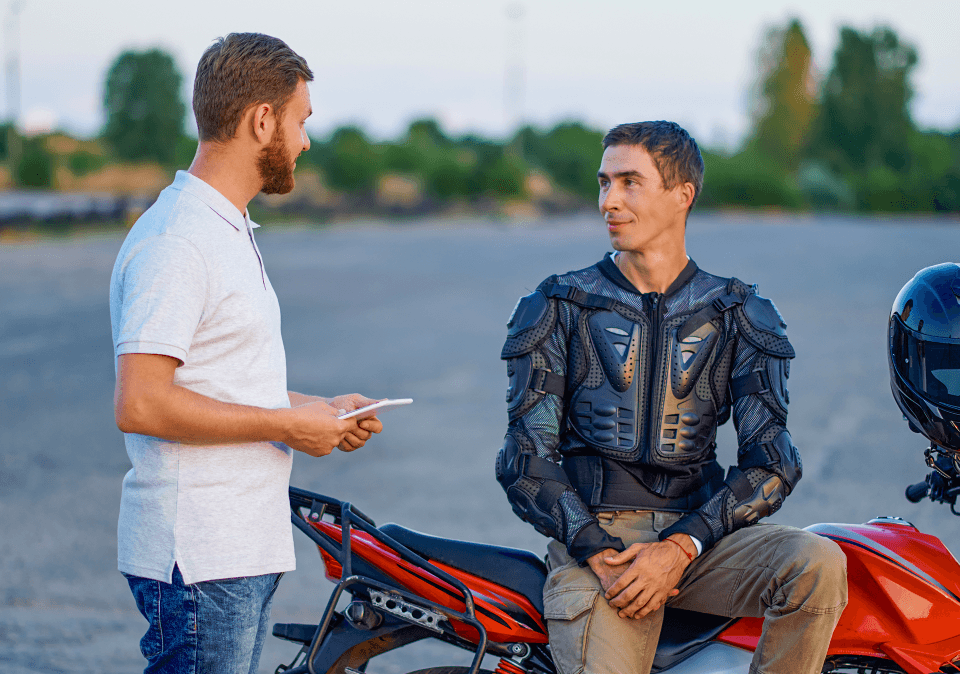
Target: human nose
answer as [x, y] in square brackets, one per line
[305, 139]
[609, 199]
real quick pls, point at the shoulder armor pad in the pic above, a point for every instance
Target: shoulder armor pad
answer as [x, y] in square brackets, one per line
[740, 288]
[763, 326]
[531, 321]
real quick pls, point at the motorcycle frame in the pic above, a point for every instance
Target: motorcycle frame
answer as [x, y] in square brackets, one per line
[873, 550]
[349, 519]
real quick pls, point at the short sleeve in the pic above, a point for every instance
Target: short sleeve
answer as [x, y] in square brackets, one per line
[162, 294]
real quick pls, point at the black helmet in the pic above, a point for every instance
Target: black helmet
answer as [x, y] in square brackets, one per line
[924, 351]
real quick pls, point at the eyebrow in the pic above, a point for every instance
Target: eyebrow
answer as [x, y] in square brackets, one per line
[622, 174]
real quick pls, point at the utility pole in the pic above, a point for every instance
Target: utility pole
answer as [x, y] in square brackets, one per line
[13, 84]
[514, 76]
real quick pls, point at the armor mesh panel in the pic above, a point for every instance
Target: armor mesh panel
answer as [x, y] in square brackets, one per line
[591, 280]
[543, 426]
[721, 372]
[552, 350]
[743, 359]
[578, 362]
[751, 415]
[575, 514]
[700, 290]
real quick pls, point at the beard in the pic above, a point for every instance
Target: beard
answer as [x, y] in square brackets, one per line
[275, 167]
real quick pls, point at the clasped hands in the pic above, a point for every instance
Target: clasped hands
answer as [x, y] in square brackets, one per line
[640, 579]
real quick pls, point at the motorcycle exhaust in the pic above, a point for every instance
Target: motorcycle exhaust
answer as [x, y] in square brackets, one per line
[362, 615]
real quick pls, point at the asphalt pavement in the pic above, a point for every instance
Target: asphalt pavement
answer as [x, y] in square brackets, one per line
[416, 309]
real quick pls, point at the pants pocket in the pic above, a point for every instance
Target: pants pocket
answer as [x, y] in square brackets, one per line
[568, 613]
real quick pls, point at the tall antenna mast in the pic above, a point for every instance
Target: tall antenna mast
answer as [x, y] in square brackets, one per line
[13, 85]
[514, 76]
[13, 61]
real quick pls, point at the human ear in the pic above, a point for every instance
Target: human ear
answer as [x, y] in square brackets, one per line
[685, 194]
[264, 122]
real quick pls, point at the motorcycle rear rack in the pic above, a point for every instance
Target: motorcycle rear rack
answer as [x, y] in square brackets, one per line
[350, 518]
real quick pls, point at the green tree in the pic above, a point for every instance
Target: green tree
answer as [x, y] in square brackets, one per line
[36, 165]
[570, 153]
[786, 101]
[420, 150]
[83, 162]
[144, 107]
[864, 123]
[350, 161]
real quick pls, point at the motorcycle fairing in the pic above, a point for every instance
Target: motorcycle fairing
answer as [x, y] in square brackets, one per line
[877, 539]
[904, 598]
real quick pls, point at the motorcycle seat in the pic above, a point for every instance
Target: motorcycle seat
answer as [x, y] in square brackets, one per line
[683, 634]
[517, 570]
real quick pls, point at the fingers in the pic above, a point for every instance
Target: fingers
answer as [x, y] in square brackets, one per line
[619, 594]
[329, 409]
[371, 425]
[354, 440]
[644, 605]
[624, 557]
[353, 401]
[630, 609]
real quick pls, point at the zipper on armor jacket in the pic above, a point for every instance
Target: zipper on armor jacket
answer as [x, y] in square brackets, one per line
[651, 373]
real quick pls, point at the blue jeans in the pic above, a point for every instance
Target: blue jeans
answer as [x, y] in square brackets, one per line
[212, 627]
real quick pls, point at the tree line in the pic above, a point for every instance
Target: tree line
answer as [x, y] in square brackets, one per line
[845, 141]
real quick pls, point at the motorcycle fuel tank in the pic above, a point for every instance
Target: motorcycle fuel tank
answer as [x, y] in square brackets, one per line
[903, 597]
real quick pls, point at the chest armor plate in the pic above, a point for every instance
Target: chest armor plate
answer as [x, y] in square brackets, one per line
[646, 398]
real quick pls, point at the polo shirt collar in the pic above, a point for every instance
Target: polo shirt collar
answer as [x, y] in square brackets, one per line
[191, 184]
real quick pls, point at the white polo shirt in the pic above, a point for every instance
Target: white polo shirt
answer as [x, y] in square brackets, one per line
[189, 283]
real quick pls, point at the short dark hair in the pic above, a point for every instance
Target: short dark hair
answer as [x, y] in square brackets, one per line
[674, 151]
[241, 70]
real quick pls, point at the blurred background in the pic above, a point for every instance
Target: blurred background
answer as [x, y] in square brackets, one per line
[434, 107]
[452, 168]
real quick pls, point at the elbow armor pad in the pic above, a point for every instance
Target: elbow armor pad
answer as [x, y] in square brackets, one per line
[533, 486]
[746, 497]
[774, 452]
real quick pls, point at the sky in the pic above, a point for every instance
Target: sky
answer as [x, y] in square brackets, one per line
[478, 65]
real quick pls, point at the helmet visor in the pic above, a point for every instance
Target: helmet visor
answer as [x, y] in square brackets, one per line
[931, 367]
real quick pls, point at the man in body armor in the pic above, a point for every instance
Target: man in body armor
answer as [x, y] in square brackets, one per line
[619, 375]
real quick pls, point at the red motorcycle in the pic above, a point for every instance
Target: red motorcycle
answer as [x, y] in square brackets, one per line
[903, 613]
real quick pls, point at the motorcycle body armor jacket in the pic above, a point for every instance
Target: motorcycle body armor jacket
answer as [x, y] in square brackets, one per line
[626, 390]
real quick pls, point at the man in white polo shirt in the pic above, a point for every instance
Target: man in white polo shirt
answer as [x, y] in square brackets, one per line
[209, 425]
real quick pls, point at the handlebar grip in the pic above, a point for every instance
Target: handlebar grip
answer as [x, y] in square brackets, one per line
[916, 492]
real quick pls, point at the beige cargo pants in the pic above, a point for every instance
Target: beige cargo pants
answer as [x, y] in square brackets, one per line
[794, 579]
